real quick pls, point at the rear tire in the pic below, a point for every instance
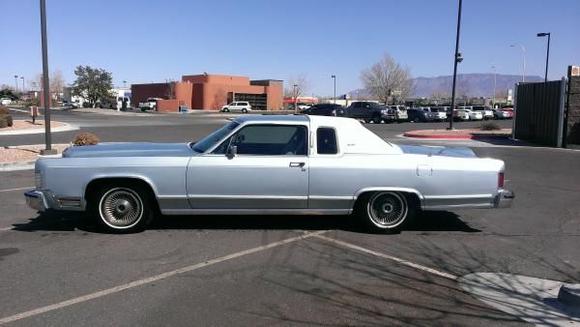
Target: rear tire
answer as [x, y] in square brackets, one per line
[122, 207]
[386, 212]
[226, 110]
[244, 110]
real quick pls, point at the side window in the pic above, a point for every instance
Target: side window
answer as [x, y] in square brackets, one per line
[271, 140]
[326, 141]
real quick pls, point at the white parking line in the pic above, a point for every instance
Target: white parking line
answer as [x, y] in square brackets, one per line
[389, 257]
[16, 189]
[151, 279]
[3, 229]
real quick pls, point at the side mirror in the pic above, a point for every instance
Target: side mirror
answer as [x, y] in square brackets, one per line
[232, 151]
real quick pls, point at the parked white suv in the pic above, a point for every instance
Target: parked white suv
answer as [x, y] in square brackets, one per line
[243, 106]
[487, 112]
[400, 113]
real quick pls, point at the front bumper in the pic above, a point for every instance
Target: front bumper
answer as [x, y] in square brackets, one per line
[504, 199]
[36, 200]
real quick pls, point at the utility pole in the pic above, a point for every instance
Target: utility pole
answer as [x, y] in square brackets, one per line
[457, 59]
[295, 98]
[334, 78]
[45, 85]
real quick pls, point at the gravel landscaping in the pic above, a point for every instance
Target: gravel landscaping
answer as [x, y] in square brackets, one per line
[23, 153]
[26, 124]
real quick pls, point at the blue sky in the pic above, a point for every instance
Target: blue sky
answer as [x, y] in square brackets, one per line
[143, 41]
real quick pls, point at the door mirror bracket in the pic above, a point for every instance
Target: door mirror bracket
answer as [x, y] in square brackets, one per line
[232, 151]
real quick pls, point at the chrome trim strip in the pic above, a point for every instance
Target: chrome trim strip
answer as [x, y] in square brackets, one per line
[331, 197]
[249, 197]
[466, 196]
[454, 206]
[255, 211]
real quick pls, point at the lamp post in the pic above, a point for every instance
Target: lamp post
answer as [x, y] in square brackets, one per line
[334, 80]
[547, 53]
[45, 86]
[456, 59]
[524, 60]
[494, 84]
[22, 78]
[295, 98]
[124, 84]
[16, 83]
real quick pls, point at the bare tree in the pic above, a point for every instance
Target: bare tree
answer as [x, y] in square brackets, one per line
[296, 87]
[387, 80]
[57, 83]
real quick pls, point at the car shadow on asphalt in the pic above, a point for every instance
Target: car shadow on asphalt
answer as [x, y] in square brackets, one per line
[428, 221]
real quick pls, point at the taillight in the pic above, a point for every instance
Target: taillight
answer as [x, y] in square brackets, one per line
[500, 180]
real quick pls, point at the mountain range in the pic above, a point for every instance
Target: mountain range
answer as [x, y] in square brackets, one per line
[472, 85]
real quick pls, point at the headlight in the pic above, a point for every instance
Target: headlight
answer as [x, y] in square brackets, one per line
[384, 111]
[38, 180]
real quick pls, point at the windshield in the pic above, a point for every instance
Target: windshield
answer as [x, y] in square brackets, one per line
[210, 140]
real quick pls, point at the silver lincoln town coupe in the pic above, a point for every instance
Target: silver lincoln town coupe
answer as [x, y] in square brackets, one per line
[293, 164]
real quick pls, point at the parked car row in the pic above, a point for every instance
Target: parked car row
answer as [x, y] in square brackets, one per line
[372, 112]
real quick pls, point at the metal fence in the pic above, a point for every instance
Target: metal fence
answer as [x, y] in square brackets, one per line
[539, 112]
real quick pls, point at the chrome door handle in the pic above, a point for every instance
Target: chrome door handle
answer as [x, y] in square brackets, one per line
[297, 164]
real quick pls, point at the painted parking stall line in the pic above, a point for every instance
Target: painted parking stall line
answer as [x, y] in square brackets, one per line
[149, 280]
[389, 257]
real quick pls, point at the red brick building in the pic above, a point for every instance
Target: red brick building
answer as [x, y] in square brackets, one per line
[211, 92]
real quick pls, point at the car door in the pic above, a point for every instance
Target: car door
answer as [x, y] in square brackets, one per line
[269, 170]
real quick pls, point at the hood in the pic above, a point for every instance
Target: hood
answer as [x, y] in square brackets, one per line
[458, 152]
[129, 149]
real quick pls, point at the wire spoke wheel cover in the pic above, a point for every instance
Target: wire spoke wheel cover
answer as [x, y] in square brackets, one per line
[387, 209]
[121, 208]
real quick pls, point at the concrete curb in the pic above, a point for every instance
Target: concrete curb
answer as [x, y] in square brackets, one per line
[66, 128]
[17, 165]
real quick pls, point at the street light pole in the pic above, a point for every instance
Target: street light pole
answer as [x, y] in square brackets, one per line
[334, 78]
[45, 85]
[524, 61]
[456, 59]
[494, 84]
[16, 83]
[547, 53]
[22, 78]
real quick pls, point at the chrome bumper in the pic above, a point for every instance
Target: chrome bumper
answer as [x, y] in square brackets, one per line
[504, 199]
[36, 200]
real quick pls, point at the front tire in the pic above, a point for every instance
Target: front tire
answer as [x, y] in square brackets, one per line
[244, 110]
[122, 208]
[386, 212]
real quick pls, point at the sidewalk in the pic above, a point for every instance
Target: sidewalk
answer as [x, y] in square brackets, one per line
[458, 134]
[22, 127]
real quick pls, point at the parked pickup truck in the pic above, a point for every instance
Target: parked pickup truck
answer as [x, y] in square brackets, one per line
[371, 112]
[268, 164]
[150, 104]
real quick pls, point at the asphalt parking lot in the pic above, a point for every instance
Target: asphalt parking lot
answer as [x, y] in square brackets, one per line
[59, 270]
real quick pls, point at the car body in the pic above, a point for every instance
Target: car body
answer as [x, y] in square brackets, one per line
[324, 109]
[150, 104]
[474, 115]
[439, 113]
[5, 101]
[420, 115]
[503, 113]
[240, 106]
[370, 112]
[262, 164]
[400, 113]
[461, 115]
[485, 111]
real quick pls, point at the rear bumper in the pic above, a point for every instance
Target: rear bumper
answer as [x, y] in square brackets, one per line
[36, 200]
[504, 199]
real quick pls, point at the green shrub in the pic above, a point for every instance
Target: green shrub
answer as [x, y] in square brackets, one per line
[489, 126]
